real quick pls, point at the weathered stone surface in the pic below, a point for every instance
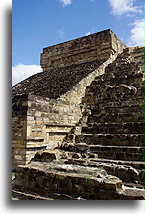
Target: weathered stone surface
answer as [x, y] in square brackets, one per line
[88, 48]
[73, 180]
[83, 147]
[47, 155]
[80, 122]
[76, 156]
[112, 183]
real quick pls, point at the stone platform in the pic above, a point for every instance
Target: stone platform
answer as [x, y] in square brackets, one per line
[73, 182]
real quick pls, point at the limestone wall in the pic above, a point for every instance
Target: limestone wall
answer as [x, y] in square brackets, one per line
[48, 122]
[19, 130]
[84, 49]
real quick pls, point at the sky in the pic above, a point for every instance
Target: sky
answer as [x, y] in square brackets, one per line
[37, 24]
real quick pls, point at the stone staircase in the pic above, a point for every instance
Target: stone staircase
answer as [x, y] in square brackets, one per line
[113, 131]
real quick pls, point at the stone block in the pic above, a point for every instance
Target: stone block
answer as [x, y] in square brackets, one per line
[112, 183]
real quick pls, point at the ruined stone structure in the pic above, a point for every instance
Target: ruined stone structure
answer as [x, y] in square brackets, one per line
[78, 125]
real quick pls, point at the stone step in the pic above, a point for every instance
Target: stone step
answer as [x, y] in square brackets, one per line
[135, 80]
[127, 171]
[20, 195]
[113, 139]
[115, 128]
[112, 100]
[121, 66]
[137, 53]
[135, 164]
[112, 93]
[128, 103]
[128, 184]
[102, 162]
[127, 76]
[121, 155]
[119, 117]
[125, 149]
[114, 109]
[131, 79]
[118, 152]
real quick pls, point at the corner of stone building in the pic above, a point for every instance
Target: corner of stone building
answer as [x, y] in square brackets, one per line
[19, 129]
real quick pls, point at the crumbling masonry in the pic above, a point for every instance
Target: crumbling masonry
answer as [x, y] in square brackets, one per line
[78, 125]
